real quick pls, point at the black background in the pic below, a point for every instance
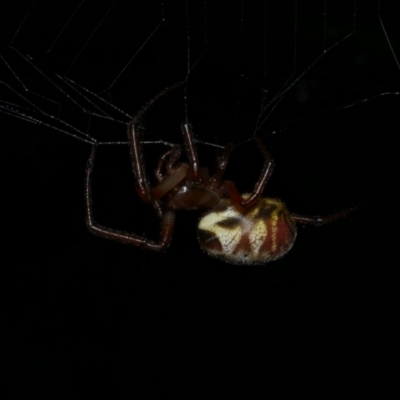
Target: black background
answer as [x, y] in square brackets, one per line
[86, 317]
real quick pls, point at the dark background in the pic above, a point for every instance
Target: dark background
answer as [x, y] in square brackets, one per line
[87, 317]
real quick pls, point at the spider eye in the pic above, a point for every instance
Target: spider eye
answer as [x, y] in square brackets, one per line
[261, 234]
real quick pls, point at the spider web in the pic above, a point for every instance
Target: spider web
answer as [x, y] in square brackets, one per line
[305, 78]
[318, 83]
[85, 71]
[320, 80]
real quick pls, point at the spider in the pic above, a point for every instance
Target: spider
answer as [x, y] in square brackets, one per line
[245, 229]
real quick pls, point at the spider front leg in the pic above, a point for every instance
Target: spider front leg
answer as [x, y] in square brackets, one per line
[142, 184]
[260, 184]
[222, 163]
[172, 156]
[197, 174]
[167, 217]
[159, 95]
[191, 151]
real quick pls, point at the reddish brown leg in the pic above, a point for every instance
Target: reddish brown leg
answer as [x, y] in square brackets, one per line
[168, 219]
[260, 184]
[173, 155]
[142, 185]
[163, 92]
[174, 175]
[170, 181]
[161, 162]
[191, 152]
[264, 176]
[319, 220]
[221, 165]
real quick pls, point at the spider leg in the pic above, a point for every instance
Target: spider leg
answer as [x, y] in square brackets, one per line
[173, 155]
[168, 220]
[191, 151]
[160, 94]
[142, 184]
[321, 220]
[170, 181]
[221, 165]
[260, 184]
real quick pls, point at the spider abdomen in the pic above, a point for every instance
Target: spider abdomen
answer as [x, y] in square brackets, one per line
[261, 234]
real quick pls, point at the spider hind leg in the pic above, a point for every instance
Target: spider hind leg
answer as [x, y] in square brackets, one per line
[322, 220]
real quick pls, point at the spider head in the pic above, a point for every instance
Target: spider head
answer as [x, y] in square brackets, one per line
[257, 235]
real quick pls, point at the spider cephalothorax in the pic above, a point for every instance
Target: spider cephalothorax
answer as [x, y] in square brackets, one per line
[239, 229]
